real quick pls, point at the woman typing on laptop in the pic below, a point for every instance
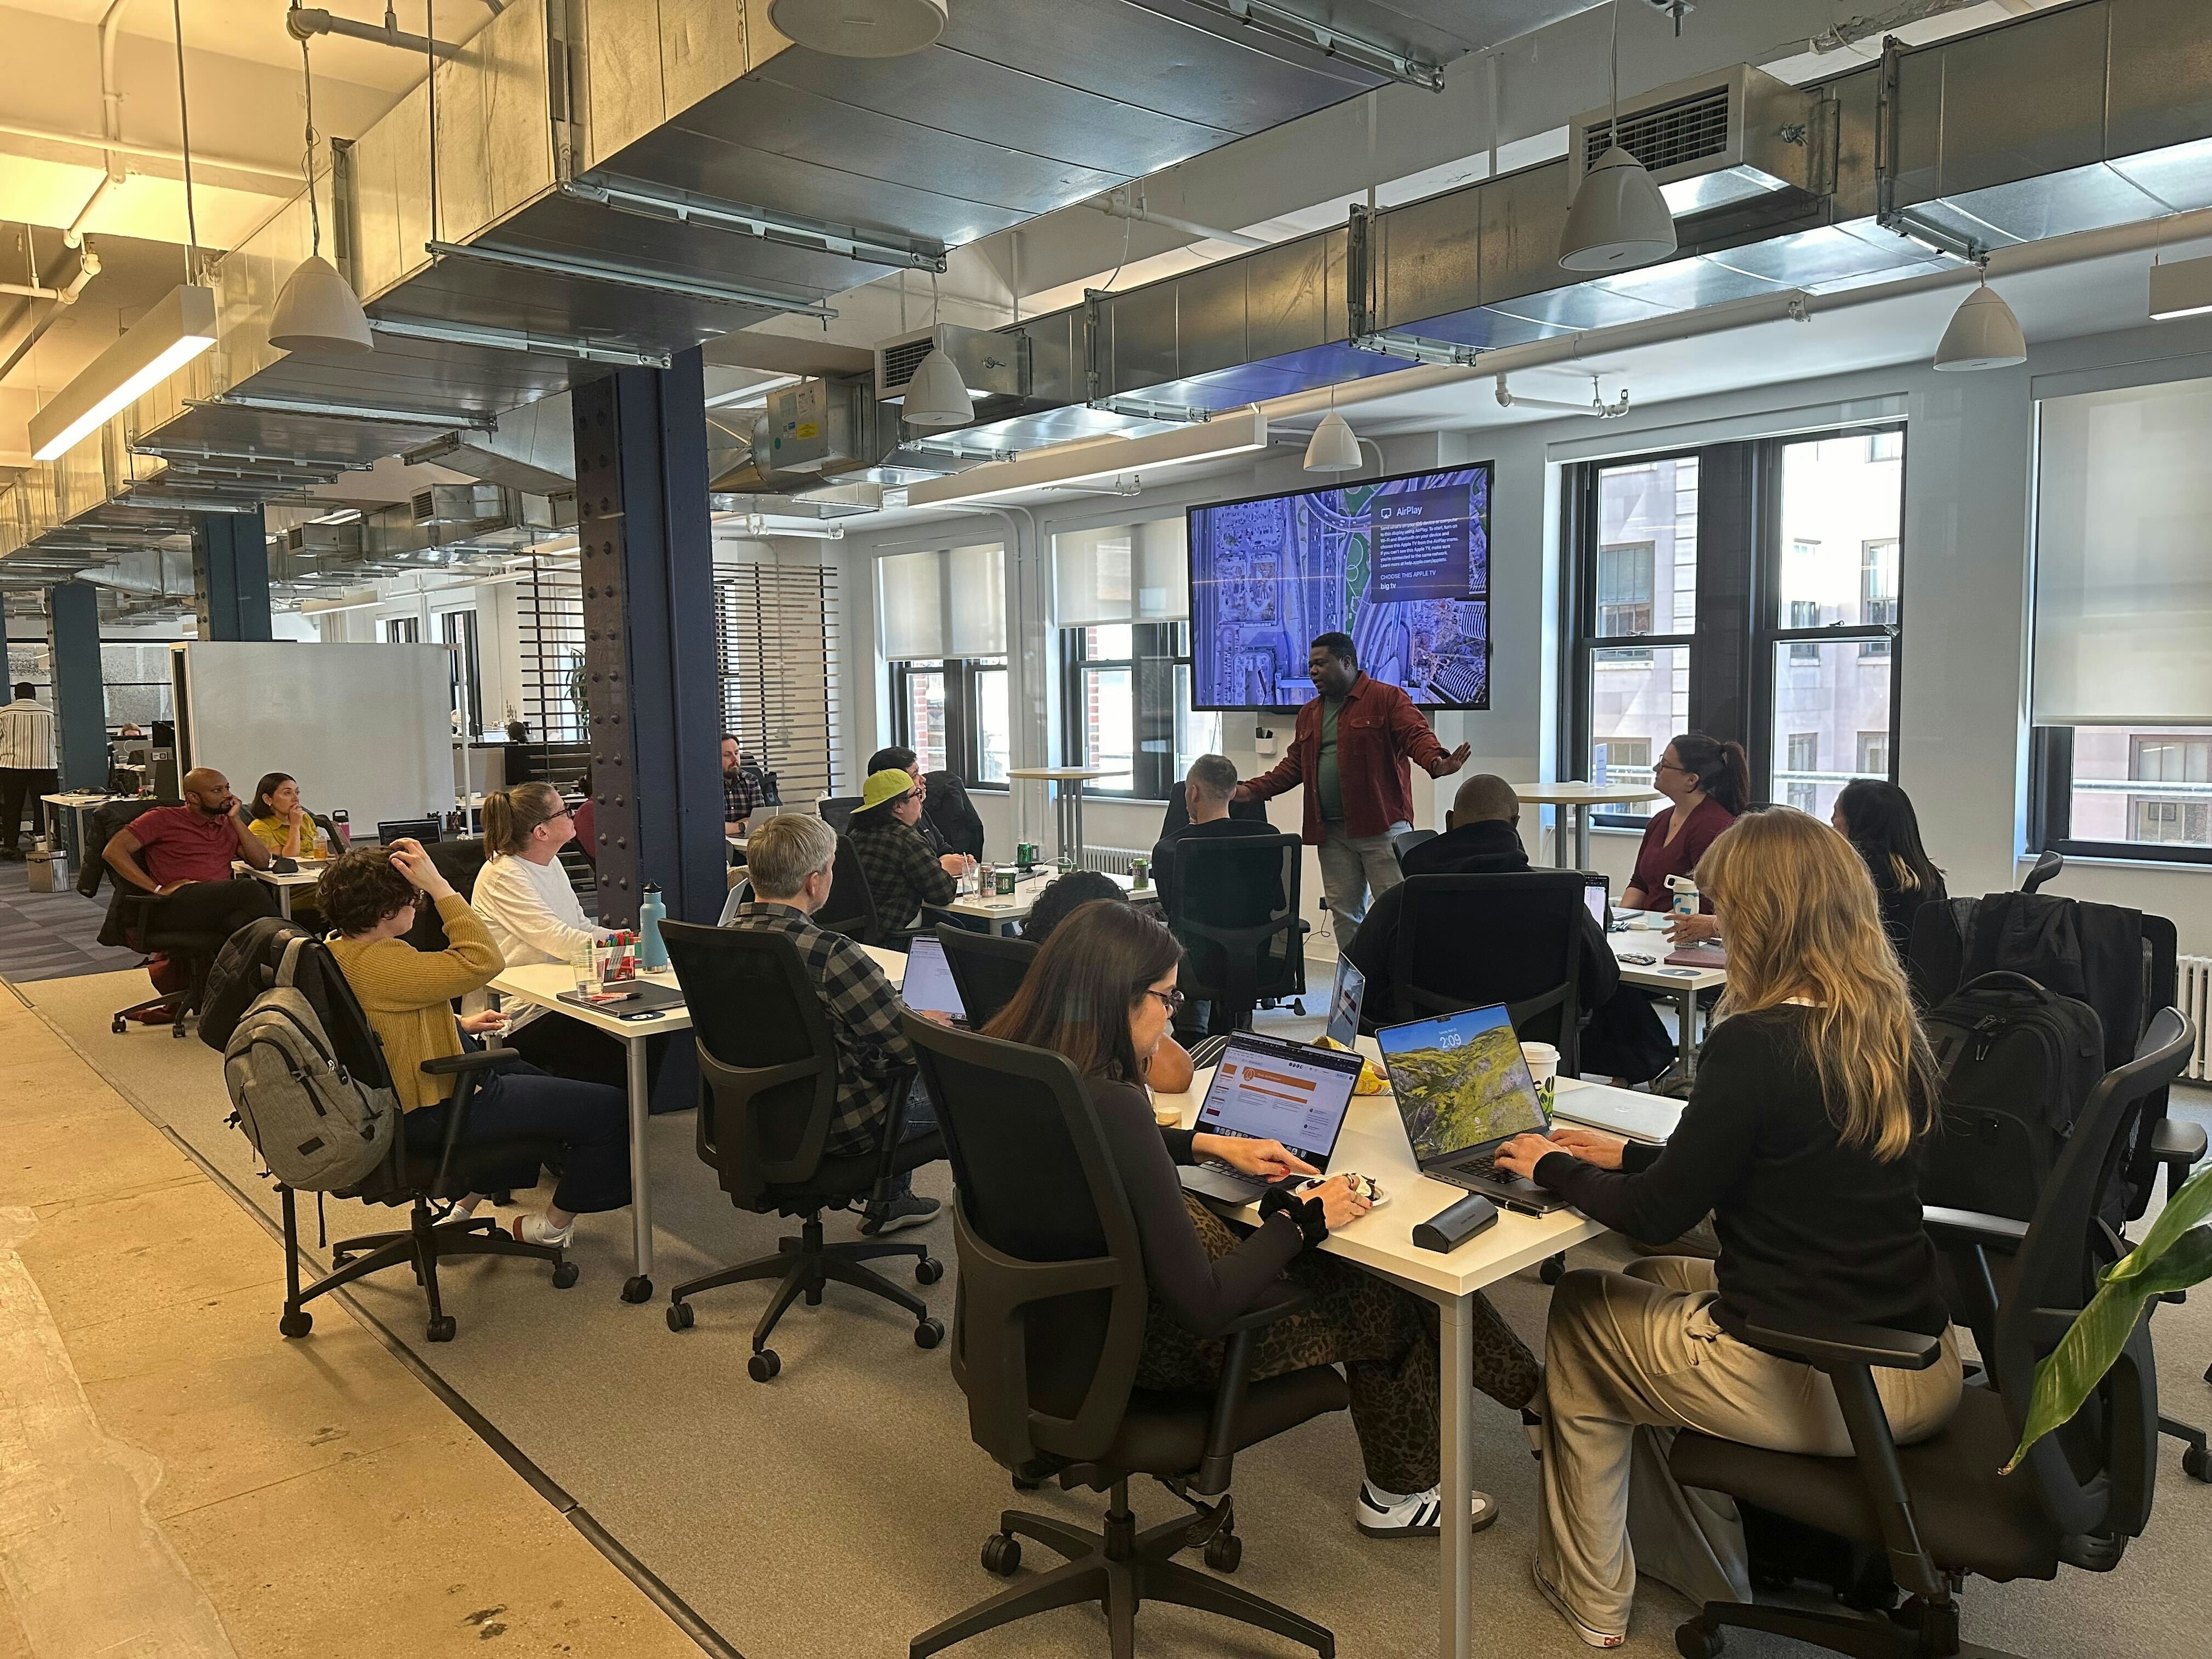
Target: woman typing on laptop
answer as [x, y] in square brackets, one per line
[1102, 993]
[1798, 1138]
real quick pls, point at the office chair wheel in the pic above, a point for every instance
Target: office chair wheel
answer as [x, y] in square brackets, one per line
[1554, 1268]
[1002, 1554]
[176, 1030]
[1699, 1640]
[928, 1271]
[763, 1365]
[118, 1025]
[637, 1288]
[296, 1322]
[1223, 1552]
[339, 1258]
[928, 1334]
[680, 1317]
[2196, 1463]
[442, 1329]
[566, 1275]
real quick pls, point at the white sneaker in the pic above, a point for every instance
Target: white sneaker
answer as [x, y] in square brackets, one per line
[1591, 1638]
[534, 1230]
[1380, 1515]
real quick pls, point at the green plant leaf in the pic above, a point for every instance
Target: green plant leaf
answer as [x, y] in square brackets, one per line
[2175, 1253]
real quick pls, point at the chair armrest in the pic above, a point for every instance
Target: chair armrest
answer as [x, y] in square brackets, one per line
[1971, 1226]
[2177, 1141]
[1243, 1333]
[475, 1060]
[1829, 1346]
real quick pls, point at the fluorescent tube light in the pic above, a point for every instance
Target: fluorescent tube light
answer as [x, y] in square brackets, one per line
[177, 330]
[756, 394]
[1233, 432]
[2183, 289]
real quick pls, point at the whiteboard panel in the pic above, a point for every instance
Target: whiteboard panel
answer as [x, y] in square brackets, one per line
[365, 727]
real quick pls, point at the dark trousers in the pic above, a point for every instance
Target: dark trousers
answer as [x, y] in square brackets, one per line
[919, 1119]
[217, 907]
[17, 785]
[520, 1102]
[570, 1049]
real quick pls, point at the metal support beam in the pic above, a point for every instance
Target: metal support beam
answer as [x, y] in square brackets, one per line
[230, 575]
[652, 682]
[80, 694]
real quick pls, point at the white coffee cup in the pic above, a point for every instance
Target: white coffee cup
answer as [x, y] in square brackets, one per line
[1543, 1062]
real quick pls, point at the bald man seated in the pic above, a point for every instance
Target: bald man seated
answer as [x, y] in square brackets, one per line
[1480, 838]
[184, 853]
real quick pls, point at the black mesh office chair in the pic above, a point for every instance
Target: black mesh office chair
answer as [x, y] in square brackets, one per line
[850, 909]
[1236, 914]
[1517, 939]
[1050, 1326]
[422, 830]
[459, 862]
[1940, 1509]
[767, 1088]
[986, 969]
[1406, 841]
[426, 1185]
[836, 811]
[134, 919]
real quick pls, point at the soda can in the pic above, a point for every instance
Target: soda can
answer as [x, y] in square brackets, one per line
[1005, 882]
[987, 880]
[1140, 873]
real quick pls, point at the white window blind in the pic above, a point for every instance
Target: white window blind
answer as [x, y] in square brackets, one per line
[2123, 557]
[1123, 573]
[948, 601]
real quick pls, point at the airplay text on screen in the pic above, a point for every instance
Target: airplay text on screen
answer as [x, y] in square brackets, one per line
[1423, 546]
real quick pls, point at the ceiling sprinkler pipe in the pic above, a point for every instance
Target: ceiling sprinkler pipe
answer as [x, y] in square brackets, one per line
[302, 22]
[1597, 406]
[1117, 206]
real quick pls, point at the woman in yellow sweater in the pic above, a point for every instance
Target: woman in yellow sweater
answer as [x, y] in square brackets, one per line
[369, 896]
[280, 823]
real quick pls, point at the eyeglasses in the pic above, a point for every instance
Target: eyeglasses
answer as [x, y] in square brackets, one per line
[1669, 766]
[1171, 1000]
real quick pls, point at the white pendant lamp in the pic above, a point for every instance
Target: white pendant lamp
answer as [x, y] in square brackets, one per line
[859, 29]
[316, 310]
[1984, 333]
[936, 396]
[1618, 219]
[1335, 446]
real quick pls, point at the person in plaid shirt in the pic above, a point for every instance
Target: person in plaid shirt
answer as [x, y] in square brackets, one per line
[792, 859]
[741, 789]
[903, 873]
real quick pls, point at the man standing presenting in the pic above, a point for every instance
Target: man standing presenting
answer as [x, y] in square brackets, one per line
[1352, 749]
[26, 765]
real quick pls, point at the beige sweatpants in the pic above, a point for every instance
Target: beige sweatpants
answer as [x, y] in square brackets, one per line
[1631, 1357]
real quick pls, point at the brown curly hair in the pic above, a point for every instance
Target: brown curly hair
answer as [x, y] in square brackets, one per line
[361, 889]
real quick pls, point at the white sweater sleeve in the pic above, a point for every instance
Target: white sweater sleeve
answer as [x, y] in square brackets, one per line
[519, 915]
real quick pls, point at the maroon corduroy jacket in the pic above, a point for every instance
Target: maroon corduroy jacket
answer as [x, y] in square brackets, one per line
[1378, 733]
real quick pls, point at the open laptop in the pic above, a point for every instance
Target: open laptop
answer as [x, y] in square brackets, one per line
[927, 988]
[1345, 997]
[1462, 1091]
[1597, 894]
[1268, 1088]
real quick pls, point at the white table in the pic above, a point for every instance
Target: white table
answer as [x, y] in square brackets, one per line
[1000, 914]
[540, 985]
[1683, 984]
[1374, 1144]
[1067, 799]
[306, 875]
[78, 805]
[1581, 797]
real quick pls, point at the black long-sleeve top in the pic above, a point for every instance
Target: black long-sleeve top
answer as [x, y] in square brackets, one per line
[1201, 1294]
[1811, 1231]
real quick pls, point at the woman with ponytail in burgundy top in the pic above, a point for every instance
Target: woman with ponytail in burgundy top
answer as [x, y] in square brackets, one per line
[1707, 784]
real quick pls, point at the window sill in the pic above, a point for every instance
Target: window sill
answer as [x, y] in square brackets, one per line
[2126, 861]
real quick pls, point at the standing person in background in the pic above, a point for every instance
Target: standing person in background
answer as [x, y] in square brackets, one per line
[1352, 750]
[950, 821]
[741, 790]
[1707, 784]
[1876, 817]
[26, 765]
[280, 823]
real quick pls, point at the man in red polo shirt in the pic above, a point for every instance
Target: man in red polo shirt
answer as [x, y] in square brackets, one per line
[184, 853]
[1352, 750]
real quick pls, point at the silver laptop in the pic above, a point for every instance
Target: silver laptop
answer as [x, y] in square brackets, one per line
[1267, 1088]
[1345, 997]
[927, 988]
[1463, 1091]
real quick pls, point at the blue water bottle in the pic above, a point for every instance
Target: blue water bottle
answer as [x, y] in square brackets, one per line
[652, 955]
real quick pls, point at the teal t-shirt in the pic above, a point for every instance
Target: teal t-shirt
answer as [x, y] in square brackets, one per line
[1326, 785]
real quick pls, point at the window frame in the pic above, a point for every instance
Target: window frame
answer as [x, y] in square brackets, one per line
[1156, 649]
[2051, 808]
[964, 732]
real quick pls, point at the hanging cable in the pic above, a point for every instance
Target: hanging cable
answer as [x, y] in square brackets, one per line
[185, 131]
[307, 161]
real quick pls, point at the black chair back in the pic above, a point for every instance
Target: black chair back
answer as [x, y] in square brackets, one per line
[837, 810]
[767, 1061]
[986, 969]
[1051, 1310]
[1406, 841]
[461, 862]
[1514, 938]
[1236, 915]
[850, 909]
[106, 819]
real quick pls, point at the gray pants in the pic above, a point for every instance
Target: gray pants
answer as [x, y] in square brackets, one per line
[1352, 866]
[1629, 1359]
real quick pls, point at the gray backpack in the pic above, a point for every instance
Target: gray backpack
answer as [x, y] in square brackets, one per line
[318, 1127]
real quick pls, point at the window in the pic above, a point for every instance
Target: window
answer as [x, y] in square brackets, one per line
[1775, 603]
[2121, 749]
[1125, 707]
[402, 630]
[465, 678]
[943, 627]
[953, 715]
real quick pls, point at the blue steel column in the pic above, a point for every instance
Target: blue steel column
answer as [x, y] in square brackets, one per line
[649, 656]
[230, 575]
[80, 691]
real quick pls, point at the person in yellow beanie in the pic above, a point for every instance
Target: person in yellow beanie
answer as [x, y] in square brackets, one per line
[903, 874]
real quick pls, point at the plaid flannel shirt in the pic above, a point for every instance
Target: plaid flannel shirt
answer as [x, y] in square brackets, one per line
[903, 873]
[741, 795]
[864, 1019]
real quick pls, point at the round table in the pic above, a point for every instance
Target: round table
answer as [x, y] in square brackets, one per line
[1582, 796]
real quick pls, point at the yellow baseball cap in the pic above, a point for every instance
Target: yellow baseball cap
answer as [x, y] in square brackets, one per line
[888, 784]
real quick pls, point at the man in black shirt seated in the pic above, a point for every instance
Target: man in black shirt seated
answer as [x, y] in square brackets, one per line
[1479, 839]
[1207, 790]
[950, 821]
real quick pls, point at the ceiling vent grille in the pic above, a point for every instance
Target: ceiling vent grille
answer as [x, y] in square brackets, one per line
[1678, 134]
[900, 362]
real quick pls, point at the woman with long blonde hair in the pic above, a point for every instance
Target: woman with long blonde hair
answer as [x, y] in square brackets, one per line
[1813, 1087]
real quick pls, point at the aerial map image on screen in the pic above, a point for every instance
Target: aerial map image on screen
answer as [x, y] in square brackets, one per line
[1402, 566]
[1460, 1089]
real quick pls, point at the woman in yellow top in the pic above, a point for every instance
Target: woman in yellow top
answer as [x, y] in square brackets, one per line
[369, 896]
[280, 823]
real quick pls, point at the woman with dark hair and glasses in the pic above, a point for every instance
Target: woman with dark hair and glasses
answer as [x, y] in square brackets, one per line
[1707, 784]
[1876, 817]
[1102, 991]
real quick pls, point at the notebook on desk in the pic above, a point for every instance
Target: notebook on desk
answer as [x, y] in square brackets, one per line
[1714, 957]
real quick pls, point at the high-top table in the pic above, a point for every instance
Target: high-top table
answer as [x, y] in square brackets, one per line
[1068, 801]
[1000, 915]
[1683, 984]
[1581, 797]
[1374, 1144]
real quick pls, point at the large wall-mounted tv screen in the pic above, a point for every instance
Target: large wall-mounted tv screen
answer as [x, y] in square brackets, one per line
[1400, 564]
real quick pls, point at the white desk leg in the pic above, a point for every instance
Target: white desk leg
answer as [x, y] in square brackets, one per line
[639, 1288]
[1454, 1631]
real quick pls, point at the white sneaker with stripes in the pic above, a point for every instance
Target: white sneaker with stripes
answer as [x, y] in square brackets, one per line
[1386, 1515]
